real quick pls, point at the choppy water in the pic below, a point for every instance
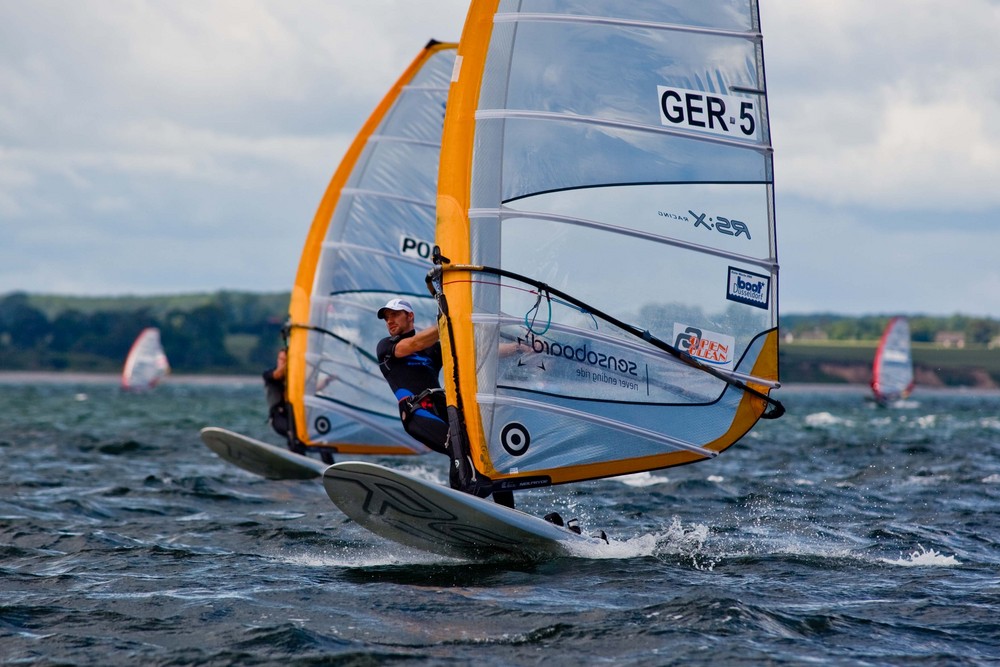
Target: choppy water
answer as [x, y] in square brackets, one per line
[841, 534]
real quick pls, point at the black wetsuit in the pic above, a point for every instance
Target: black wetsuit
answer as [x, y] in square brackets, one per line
[277, 407]
[408, 377]
[427, 421]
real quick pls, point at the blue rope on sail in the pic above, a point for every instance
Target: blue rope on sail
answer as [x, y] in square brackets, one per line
[529, 324]
[532, 313]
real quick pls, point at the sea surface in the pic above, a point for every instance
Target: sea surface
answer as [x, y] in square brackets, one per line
[840, 534]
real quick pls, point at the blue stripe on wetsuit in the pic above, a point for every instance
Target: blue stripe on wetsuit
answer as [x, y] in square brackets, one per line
[402, 394]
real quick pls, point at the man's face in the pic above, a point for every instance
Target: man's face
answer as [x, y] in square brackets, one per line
[398, 321]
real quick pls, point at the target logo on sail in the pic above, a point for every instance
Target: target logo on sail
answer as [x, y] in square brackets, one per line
[700, 111]
[750, 288]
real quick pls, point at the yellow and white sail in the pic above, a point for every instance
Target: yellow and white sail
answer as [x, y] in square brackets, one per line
[371, 239]
[607, 238]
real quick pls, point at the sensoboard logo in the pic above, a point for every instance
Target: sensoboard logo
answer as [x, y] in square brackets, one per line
[580, 354]
[752, 289]
[701, 111]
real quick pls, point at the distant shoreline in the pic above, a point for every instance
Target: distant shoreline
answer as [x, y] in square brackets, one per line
[74, 377]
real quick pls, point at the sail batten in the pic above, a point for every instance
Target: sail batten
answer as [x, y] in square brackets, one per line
[502, 213]
[382, 194]
[609, 266]
[496, 114]
[387, 139]
[431, 89]
[363, 250]
[529, 17]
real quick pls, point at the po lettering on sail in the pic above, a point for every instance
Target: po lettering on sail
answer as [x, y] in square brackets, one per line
[700, 111]
[413, 247]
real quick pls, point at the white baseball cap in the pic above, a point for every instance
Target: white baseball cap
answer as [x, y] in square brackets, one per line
[394, 304]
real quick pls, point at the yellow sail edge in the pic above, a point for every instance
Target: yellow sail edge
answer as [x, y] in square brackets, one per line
[299, 305]
[453, 203]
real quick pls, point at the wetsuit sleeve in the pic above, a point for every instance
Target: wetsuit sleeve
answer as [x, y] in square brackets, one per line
[386, 348]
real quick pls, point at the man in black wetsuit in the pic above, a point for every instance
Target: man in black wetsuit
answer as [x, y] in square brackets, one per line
[279, 410]
[411, 361]
[277, 404]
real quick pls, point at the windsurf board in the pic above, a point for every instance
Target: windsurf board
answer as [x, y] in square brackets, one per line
[259, 457]
[441, 520]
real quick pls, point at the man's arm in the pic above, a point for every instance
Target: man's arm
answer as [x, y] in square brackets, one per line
[418, 341]
[507, 349]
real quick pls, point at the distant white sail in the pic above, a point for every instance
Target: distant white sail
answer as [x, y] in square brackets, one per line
[146, 363]
[892, 370]
[606, 227]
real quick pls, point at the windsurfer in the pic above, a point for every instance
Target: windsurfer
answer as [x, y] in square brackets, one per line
[275, 381]
[411, 362]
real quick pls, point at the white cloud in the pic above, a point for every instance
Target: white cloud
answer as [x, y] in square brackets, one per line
[889, 104]
[125, 125]
[161, 145]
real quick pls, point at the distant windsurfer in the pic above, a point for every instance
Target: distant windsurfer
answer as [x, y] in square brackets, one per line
[411, 362]
[275, 381]
[279, 410]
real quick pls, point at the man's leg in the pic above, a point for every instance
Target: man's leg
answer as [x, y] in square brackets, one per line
[427, 429]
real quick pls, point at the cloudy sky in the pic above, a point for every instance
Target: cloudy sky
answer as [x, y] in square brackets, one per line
[165, 146]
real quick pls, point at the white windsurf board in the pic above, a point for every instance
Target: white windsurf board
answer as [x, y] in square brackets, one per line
[259, 457]
[441, 520]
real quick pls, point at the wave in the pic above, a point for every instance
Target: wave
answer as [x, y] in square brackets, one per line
[923, 558]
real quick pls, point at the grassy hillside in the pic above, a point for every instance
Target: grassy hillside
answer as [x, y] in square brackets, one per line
[239, 332]
[158, 305]
[221, 332]
[851, 361]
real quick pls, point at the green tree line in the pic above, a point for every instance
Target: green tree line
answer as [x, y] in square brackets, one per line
[224, 332]
[979, 331]
[240, 332]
